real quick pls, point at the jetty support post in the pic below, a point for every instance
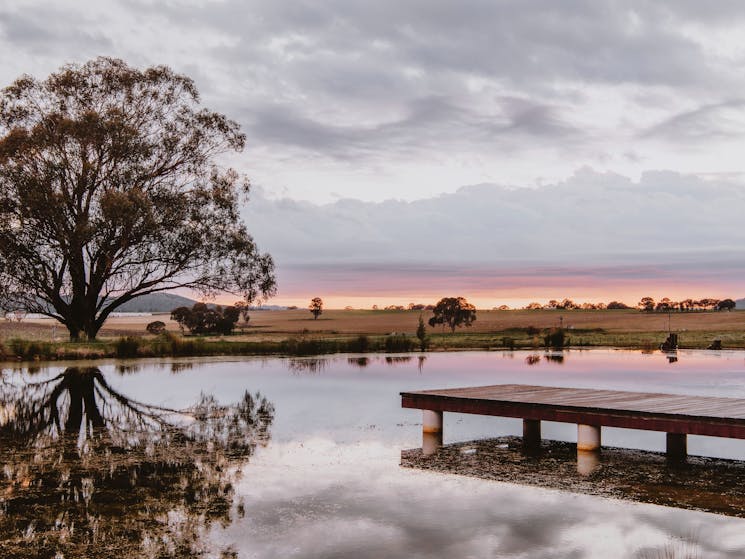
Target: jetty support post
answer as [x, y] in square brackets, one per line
[431, 431]
[677, 447]
[531, 435]
[588, 438]
[588, 448]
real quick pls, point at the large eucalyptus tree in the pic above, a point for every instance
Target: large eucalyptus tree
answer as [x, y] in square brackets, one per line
[111, 188]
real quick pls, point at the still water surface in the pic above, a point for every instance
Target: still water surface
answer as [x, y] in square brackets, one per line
[308, 458]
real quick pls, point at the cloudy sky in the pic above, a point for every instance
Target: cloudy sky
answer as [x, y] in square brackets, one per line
[501, 150]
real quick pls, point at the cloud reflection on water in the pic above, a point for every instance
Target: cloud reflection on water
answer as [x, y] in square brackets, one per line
[354, 504]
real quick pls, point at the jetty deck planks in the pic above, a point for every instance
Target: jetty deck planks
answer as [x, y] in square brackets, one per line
[671, 413]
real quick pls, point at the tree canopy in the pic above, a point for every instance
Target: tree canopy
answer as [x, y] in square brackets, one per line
[110, 189]
[205, 319]
[316, 307]
[453, 312]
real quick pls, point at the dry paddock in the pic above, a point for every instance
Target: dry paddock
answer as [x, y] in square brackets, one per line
[280, 324]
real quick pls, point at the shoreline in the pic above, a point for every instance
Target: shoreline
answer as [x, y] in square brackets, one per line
[17, 351]
[295, 333]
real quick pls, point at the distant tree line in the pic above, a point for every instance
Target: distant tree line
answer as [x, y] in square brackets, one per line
[568, 304]
[665, 304]
[409, 307]
[647, 304]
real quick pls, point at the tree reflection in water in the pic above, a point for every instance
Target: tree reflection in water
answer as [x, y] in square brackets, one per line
[302, 365]
[88, 472]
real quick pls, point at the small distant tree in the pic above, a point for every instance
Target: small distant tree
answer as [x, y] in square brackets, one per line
[421, 334]
[180, 316]
[555, 338]
[616, 305]
[316, 307]
[709, 304]
[646, 304]
[156, 327]
[203, 319]
[453, 312]
[226, 319]
[664, 305]
[726, 305]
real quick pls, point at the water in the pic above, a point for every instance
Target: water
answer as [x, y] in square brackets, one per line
[312, 458]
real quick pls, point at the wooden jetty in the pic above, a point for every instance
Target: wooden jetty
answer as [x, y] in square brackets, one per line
[674, 414]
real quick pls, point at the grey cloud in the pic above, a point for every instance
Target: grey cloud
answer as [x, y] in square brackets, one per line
[521, 41]
[707, 122]
[430, 123]
[499, 89]
[600, 218]
[51, 30]
[348, 79]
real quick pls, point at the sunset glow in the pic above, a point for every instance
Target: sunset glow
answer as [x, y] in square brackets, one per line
[383, 289]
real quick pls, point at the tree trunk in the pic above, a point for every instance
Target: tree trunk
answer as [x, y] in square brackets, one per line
[74, 332]
[91, 331]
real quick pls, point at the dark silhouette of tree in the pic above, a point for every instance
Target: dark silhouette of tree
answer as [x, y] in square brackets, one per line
[646, 304]
[156, 327]
[316, 307]
[665, 305]
[555, 338]
[726, 305]
[616, 305]
[453, 312]
[421, 334]
[92, 473]
[203, 319]
[110, 190]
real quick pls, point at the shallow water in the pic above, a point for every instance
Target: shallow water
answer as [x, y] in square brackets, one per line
[302, 458]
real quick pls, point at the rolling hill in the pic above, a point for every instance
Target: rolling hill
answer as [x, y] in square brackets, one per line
[156, 302]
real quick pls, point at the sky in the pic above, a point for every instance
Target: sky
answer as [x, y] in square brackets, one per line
[506, 151]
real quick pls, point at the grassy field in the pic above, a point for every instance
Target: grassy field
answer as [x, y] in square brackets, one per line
[296, 332]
